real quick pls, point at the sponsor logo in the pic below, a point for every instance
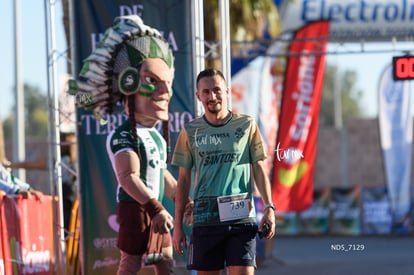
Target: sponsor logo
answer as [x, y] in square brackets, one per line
[288, 177]
[29, 261]
[104, 243]
[369, 19]
[108, 261]
[357, 11]
[113, 223]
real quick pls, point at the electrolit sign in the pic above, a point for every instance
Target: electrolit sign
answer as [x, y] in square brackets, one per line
[403, 67]
[371, 20]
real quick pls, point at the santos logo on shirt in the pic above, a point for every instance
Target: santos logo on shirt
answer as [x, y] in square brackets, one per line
[221, 158]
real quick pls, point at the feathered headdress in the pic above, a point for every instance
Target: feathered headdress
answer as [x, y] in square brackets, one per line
[110, 72]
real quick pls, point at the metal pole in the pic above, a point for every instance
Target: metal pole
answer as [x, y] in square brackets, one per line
[54, 128]
[197, 16]
[19, 143]
[337, 100]
[338, 120]
[224, 14]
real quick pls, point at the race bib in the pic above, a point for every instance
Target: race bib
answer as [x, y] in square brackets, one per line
[234, 207]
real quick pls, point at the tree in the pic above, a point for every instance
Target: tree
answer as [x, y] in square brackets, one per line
[35, 115]
[249, 21]
[350, 96]
[66, 25]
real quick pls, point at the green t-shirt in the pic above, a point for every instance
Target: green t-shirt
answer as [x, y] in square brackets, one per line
[152, 151]
[222, 157]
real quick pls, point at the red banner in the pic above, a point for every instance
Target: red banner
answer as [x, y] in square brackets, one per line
[295, 152]
[26, 236]
[3, 243]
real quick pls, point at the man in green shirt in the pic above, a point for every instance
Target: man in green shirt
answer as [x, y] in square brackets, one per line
[227, 152]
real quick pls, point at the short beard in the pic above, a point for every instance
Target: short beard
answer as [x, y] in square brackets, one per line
[214, 111]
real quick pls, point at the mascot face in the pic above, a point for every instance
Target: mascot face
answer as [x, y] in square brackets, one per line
[131, 59]
[154, 92]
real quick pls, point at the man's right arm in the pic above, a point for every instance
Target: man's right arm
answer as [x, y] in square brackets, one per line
[182, 193]
[181, 199]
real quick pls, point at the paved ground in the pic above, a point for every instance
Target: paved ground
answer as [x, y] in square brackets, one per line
[335, 256]
[340, 256]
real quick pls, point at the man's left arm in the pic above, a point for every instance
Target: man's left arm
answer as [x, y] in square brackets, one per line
[264, 188]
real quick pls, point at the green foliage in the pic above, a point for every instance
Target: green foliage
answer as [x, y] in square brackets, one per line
[350, 96]
[249, 20]
[35, 114]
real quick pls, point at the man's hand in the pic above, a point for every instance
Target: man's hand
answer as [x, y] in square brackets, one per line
[269, 219]
[162, 222]
[179, 240]
[38, 195]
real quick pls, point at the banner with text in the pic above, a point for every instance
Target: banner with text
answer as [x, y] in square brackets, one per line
[27, 235]
[353, 20]
[345, 213]
[315, 219]
[295, 151]
[376, 213]
[96, 178]
[396, 130]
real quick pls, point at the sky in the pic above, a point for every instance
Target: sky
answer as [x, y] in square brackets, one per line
[368, 65]
[368, 60]
[33, 48]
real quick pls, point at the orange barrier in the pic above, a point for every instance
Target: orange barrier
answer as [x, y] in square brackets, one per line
[26, 235]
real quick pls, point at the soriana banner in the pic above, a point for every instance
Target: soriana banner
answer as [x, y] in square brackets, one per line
[96, 179]
[295, 151]
[26, 236]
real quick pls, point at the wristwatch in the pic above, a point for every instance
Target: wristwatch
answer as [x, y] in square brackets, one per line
[269, 205]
